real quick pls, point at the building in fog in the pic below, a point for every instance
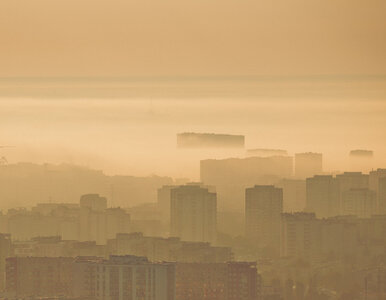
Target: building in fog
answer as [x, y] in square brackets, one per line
[308, 164]
[99, 223]
[322, 196]
[308, 238]
[38, 276]
[119, 277]
[167, 249]
[377, 183]
[193, 214]
[5, 252]
[351, 180]
[221, 281]
[90, 220]
[263, 208]
[233, 175]
[359, 202]
[163, 202]
[164, 199]
[339, 237]
[129, 277]
[361, 160]
[209, 140]
[300, 236]
[93, 202]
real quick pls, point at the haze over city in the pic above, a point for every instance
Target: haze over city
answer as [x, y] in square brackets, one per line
[193, 150]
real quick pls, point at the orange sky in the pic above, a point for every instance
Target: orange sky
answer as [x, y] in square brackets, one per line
[211, 37]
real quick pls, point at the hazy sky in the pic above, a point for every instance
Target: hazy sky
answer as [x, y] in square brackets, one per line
[180, 37]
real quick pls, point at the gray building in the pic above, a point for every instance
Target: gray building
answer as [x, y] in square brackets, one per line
[193, 214]
[263, 208]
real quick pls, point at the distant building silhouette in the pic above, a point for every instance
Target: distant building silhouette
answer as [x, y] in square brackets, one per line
[308, 238]
[361, 160]
[167, 249]
[377, 183]
[263, 208]
[359, 202]
[93, 202]
[193, 214]
[300, 236]
[322, 196]
[5, 251]
[209, 140]
[351, 180]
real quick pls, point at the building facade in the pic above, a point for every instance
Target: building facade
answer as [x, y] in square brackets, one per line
[263, 208]
[193, 214]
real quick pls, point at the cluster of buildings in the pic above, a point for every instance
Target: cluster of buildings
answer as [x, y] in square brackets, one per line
[350, 193]
[128, 277]
[90, 220]
[90, 251]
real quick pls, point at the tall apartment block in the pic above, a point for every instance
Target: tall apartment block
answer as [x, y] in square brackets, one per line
[377, 183]
[308, 164]
[5, 251]
[129, 277]
[306, 237]
[193, 214]
[322, 196]
[300, 236]
[99, 223]
[263, 208]
[359, 202]
[351, 180]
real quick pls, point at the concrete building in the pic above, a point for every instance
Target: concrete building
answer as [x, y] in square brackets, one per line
[308, 238]
[382, 196]
[308, 164]
[163, 202]
[221, 281]
[38, 276]
[93, 202]
[351, 180]
[263, 208]
[209, 140]
[129, 277]
[339, 237]
[164, 199]
[193, 214]
[300, 236]
[322, 196]
[5, 252]
[118, 278]
[359, 202]
[377, 183]
[99, 223]
[167, 249]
